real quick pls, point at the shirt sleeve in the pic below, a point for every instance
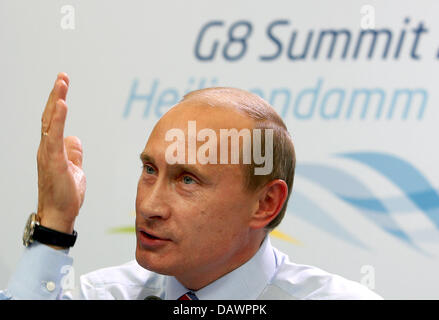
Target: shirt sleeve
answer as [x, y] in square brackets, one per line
[39, 274]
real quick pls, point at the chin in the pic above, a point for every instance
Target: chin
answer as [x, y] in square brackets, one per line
[147, 260]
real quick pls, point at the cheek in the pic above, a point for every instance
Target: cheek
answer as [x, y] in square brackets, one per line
[217, 224]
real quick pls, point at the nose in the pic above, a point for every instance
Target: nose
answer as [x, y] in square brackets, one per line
[152, 200]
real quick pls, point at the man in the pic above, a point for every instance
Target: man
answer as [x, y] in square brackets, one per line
[202, 219]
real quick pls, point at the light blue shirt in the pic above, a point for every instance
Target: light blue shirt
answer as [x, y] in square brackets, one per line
[267, 275]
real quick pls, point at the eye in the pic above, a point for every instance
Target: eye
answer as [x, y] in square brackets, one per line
[188, 180]
[148, 169]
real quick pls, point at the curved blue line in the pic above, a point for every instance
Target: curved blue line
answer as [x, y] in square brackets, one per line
[301, 206]
[350, 189]
[406, 177]
[399, 204]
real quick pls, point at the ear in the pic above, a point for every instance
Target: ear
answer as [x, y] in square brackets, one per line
[271, 200]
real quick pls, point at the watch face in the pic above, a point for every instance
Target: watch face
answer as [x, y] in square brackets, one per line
[29, 229]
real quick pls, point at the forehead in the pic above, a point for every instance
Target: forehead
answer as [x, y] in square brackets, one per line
[206, 116]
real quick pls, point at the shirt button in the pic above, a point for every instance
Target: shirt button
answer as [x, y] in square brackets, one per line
[50, 286]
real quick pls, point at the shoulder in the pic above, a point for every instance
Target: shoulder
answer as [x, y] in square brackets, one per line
[297, 281]
[126, 281]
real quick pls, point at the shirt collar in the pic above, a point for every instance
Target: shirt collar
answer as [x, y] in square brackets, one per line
[244, 283]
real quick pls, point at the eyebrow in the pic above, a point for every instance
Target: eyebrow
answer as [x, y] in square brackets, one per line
[145, 157]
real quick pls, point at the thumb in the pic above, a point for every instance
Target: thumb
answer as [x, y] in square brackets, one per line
[74, 150]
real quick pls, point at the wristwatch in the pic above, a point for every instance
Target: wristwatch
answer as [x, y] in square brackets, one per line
[34, 231]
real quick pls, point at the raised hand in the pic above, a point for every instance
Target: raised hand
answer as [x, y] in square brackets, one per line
[61, 180]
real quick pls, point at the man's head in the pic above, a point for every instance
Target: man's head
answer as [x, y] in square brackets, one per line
[211, 218]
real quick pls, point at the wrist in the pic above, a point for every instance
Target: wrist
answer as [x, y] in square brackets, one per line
[55, 233]
[52, 221]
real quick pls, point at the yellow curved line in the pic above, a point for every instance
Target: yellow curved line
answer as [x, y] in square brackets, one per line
[283, 236]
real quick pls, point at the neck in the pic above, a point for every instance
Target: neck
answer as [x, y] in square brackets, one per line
[212, 272]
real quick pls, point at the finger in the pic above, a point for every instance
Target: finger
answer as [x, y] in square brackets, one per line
[59, 91]
[56, 131]
[64, 76]
[50, 100]
[74, 150]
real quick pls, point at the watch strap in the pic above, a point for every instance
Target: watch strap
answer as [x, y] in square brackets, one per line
[53, 237]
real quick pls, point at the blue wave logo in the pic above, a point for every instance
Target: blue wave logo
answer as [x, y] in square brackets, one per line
[418, 195]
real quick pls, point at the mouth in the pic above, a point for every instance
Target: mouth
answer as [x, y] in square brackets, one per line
[150, 240]
[150, 236]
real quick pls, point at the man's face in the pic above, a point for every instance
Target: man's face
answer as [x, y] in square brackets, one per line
[201, 213]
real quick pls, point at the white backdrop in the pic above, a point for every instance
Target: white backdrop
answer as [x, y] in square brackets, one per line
[365, 202]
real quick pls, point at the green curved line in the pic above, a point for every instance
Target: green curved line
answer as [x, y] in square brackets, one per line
[124, 229]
